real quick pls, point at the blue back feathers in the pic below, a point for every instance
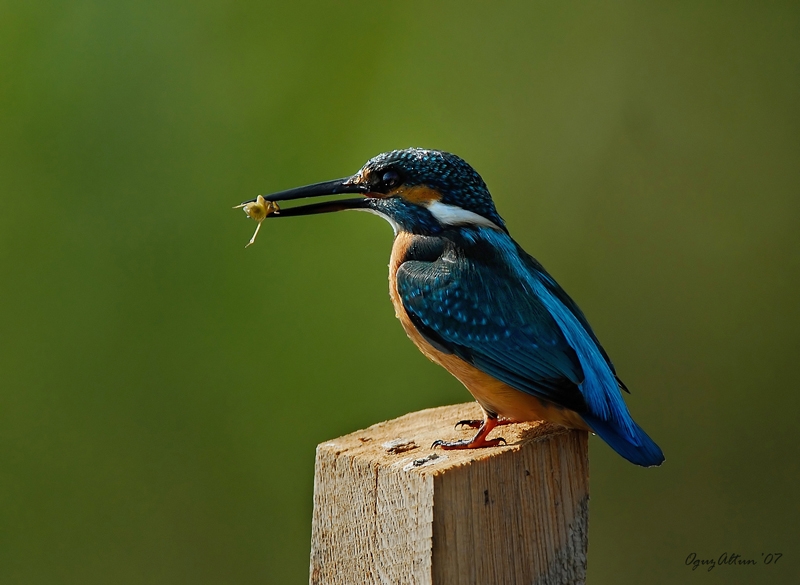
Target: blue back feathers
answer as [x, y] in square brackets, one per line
[606, 411]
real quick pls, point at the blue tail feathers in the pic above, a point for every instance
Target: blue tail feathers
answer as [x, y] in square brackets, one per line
[646, 454]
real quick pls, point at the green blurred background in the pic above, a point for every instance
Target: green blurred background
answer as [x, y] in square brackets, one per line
[163, 388]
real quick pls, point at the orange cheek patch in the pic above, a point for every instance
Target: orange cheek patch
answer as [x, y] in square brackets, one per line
[418, 194]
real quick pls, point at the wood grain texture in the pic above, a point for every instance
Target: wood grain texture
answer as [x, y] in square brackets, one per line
[388, 509]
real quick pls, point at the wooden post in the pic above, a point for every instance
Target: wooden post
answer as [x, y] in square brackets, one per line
[389, 509]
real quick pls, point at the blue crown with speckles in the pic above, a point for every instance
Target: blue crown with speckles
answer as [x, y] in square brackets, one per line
[457, 182]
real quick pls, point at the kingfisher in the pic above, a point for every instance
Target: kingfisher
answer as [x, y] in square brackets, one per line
[474, 302]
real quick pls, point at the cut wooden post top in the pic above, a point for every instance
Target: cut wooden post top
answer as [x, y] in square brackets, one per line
[389, 508]
[406, 441]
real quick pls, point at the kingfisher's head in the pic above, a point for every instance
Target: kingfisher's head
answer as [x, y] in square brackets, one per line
[416, 190]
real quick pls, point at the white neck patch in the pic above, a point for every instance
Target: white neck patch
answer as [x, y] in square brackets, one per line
[454, 215]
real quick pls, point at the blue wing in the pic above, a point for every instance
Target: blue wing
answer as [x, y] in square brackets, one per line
[488, 302]
[465, 308]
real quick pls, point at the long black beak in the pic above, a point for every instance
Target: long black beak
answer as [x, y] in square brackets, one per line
[336, 187]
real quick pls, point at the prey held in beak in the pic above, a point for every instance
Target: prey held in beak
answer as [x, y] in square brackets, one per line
[262, 207]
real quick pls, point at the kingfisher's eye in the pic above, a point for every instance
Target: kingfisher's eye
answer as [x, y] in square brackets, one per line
[390, 179]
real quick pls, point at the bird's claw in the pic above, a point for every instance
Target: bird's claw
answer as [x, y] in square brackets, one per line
[474, 443]
[477, 423]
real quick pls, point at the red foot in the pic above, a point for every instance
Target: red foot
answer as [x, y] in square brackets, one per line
[476, 442]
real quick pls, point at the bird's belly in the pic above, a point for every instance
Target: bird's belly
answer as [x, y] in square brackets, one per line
[493, 395]
[498, 397]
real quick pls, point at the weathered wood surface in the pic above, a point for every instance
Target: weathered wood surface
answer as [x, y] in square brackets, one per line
[389, 509]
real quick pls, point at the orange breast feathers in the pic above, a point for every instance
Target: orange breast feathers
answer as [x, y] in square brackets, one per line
[493, 395]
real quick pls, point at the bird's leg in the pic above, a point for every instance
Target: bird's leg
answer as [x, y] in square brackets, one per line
[475, 423]
[479, 440]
